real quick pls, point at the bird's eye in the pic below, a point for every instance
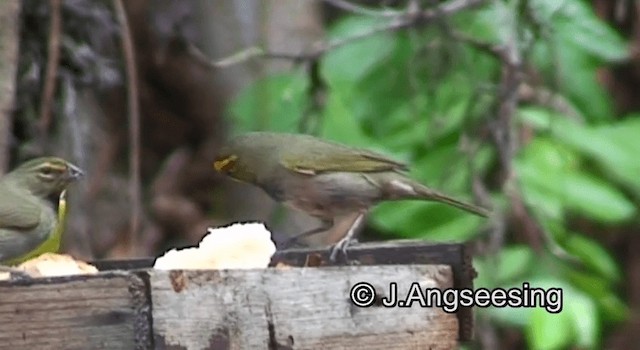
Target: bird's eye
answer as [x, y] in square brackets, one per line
[48, 172]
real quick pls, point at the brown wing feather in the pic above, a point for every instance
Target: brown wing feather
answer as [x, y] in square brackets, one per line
[17, 212]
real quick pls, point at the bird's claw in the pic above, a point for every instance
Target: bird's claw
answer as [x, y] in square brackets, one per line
[341, 246]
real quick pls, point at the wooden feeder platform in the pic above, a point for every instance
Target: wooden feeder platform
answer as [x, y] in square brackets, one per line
[302, 303]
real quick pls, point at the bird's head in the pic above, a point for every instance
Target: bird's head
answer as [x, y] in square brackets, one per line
[235, 165]
[45, 176]
[249, 157]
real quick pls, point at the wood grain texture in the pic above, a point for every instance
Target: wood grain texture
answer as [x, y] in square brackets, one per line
[75, 312]
[275, 308]
[398, 252]
[402, 252]
[296, 308]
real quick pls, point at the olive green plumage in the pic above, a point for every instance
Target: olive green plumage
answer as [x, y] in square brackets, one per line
[324, 179]
[27, 204]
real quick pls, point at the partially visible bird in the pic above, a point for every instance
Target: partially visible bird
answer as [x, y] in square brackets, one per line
[29, 198]
[51, 244]
[327, 180]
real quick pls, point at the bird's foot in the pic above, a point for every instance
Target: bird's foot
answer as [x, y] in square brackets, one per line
[341, 247]
[348, 239]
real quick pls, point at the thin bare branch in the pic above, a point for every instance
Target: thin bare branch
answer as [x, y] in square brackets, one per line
[554, 101]
[361, 10]
[458, 5]
[53, 61]
[133, 111]
[412, 17]
[493, 50]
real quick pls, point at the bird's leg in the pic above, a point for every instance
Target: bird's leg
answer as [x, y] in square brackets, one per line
[15, 274]
[326, 225]
[342, 244]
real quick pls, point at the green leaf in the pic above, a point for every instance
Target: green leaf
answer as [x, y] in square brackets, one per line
[445, 168]
[398, 217]
[403, 128]
[407, 219]
[576, 23]
[594, 256]
[272, 103]
[459, 229]
[579, 81]
[584, 316]
[577, 323]
[548, 171]
[620, 158]
[513, 263]
[575, 68]
[541, 168]
[599, 289]
[511, 316]
[338, 125]
[352, 62]
[549, 331]
[595, 285]
[614, 146]
[596, 198]
[613, 309]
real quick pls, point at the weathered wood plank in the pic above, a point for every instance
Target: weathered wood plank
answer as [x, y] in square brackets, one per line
[105, 311]
[398, 252]
[403, 252]
[296, 308]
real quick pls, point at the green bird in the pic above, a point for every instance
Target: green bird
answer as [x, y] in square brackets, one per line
[327, 180]
[28, 198]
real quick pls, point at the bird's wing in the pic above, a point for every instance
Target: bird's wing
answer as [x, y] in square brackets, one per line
[17, 212]
[350, 161]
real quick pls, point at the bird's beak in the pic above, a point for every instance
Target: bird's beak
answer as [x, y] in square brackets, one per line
[224, 164]
[218, 165]
[74, 172]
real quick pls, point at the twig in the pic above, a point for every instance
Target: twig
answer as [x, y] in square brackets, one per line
[133, 112]
[413, 16]
[493, 50]
[530, 227]
[457, 6]
[551, 100]
[511, 79]
[53, 61]
[317, 94]
[504, 133]
[360, 10]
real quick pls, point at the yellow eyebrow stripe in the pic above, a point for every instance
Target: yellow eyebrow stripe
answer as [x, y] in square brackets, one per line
[53, 166]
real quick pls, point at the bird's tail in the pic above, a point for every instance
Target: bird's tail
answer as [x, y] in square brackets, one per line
[425, 192]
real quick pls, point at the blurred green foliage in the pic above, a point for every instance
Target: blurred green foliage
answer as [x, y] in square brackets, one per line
[426, 98]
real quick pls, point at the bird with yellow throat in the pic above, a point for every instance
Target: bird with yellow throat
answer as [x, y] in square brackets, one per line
[327, 180]
[33, 208]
